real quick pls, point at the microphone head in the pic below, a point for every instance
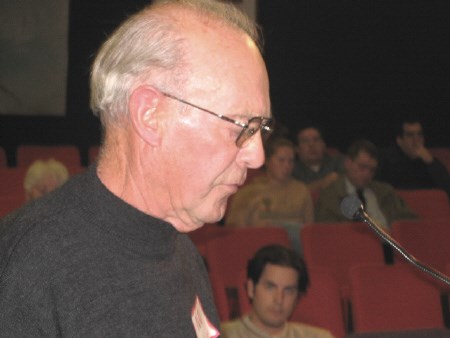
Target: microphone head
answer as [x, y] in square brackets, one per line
[350, 206]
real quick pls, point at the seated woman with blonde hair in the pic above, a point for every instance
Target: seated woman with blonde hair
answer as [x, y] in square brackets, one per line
[276, 198]
[43, 177]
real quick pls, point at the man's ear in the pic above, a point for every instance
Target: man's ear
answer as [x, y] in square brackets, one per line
[142, 105]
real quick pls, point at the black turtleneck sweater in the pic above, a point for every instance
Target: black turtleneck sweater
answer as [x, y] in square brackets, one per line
[80, 262]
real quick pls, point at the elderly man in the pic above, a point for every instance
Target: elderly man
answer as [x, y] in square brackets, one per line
[183, 96]
[276, 278]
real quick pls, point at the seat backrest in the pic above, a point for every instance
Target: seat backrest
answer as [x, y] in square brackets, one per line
[427, 240]
[3, 158]
[9, 204]
[206, 233]
[225, 302]
[69, 155]
[322, 304]
[12, 192]
[228, 254]
[11, 181]
[389, 298]
[426, 203]
[338, 246]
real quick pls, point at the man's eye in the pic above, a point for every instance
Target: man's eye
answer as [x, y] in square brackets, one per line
[291, 291]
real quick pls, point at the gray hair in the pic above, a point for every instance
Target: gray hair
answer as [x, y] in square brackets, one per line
[149, 41]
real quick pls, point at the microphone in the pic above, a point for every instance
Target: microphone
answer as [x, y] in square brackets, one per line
[351, 207]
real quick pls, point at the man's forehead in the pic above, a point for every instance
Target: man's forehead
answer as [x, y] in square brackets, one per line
[277, 273]
[309, 132]
[364, 156]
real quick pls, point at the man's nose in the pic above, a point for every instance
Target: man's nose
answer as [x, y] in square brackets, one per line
[279, 297]
[252, 152]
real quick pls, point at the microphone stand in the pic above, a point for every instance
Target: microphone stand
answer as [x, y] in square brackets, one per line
[362, 216]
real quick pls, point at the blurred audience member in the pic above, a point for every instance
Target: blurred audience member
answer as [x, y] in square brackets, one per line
[409, 164]
[276, 279]
[379, 199]
[275, 197]
[314, 166]
[44, 176]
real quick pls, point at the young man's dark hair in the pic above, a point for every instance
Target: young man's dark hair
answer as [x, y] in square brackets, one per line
[281, 256]
[410, 119]
[310, 126]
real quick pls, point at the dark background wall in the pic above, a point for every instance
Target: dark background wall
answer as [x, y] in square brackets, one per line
[353, 67]
[356, 66]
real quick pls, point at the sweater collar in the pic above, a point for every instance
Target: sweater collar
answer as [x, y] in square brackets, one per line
[134, 229]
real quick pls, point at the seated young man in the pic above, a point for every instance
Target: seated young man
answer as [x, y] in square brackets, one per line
[409, 164]
[314, 166]
[276, 277]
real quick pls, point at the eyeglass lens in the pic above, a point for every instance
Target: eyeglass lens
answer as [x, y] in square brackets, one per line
[254, 125]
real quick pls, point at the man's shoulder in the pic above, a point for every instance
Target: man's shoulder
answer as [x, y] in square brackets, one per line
[233, 329]
[301, 330]
[38, 230]
[232, 324]
[381, 187]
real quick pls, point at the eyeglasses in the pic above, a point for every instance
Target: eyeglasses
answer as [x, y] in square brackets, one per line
[248, 129]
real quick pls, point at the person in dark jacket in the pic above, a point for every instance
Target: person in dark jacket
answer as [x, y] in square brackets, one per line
[409, 164]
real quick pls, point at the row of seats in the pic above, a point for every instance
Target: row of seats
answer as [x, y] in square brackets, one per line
[341, 258]
[67, 154]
